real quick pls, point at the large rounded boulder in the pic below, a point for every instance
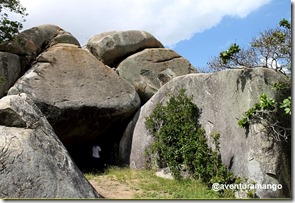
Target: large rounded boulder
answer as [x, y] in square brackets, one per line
[82, 98]
[112, 47]
[22, 50]
[33, 161]
[223, 97]
[150, 69]
[31, 42]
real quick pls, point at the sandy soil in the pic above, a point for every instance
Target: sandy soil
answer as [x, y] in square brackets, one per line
[112, 189]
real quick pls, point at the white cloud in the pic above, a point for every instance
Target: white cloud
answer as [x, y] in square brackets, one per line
[170, 21]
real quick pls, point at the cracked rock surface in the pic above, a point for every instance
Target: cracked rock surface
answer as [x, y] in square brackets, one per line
[150, 69]
[111, 47]
[253, 153]
[10, 70]
[32, 42]
[33, 161]
[78, 94]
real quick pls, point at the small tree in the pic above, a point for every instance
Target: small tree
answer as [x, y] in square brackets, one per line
[271, 49]
[8, 28]
[266, 112]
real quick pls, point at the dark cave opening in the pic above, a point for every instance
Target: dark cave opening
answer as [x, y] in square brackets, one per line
[82, 154]
[80, 147]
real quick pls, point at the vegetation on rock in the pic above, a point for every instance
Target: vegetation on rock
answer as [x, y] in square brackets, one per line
[271, 49]
[274, 116]
[180, 141]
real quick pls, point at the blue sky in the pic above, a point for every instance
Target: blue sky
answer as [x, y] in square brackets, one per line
[195, 29]
[203, 46]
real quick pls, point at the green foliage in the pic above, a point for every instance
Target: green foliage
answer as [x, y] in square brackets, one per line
[264, 104]
[227, 55]
[271, 49]
[8, 28]
[282, 89]
[281, 86]
[265, 112]
[286, 105]
[180, 140]
[285, 23]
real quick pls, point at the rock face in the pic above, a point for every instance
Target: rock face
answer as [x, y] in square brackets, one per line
[10, 70]
[112, 47]
[223, 97]
[19, 53]
[33, 162]
[126, 141]
[70, 100]
[81, 97]
[31, 42]
[150, 69]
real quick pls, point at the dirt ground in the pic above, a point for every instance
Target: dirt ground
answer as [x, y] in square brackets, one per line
[112, 189]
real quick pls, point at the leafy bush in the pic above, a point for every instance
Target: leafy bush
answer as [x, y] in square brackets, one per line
[287, 106]
[265, 112]
[264, 106]
[180, 140]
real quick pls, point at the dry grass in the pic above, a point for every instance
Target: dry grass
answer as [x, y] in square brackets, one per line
[124, 183]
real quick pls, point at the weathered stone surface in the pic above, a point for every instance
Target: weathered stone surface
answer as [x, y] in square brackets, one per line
[150, 69]
[10, 70]
[31, 42]
[125, 144]
[112, 47]
[64, 37]
[81, 97]
[223, 97]
[33, 161]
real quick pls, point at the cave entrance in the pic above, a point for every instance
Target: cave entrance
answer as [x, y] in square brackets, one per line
[81, 150]
[95, 156]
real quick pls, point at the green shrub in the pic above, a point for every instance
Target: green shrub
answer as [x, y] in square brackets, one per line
[180, 140]
[267, 112]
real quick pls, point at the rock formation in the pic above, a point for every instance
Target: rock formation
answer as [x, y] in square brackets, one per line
[17, 55]
[112, 47]
[81, 97]
[10, 71]
[63, 99]
[150, 69]
[31, 42]
[223, 97]
[33, 162]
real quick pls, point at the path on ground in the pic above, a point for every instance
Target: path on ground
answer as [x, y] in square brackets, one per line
[110, 188]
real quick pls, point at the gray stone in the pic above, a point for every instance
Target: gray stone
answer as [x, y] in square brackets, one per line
[167, 174]
[65, 38]
[81, 97]
[33, 41]
[126, 142]
[112, 47]
[33, 161]
[150, 69]
[223, 97]
[10, 70]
